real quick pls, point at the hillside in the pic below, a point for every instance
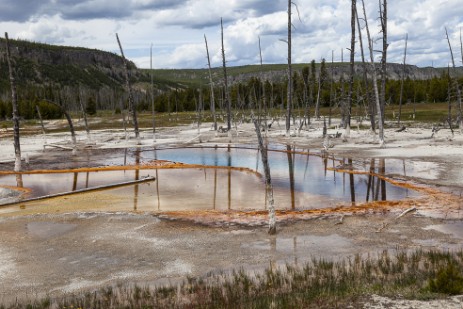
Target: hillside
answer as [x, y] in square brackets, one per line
[277, 72]
[70, 75]
[44, 64]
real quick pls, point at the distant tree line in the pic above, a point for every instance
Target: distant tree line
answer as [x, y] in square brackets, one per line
[312, 83]
[308, 84]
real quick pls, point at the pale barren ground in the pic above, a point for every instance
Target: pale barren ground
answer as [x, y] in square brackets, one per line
[74, 245]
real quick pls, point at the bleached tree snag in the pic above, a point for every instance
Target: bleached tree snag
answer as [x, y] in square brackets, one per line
[461, 47]
[14, 102]
[459, 98]
[199, 109]
[211, 84]
[455, 83]
[227, 95]
[37, 108]
[289, 72]
[317, 104]
[84, 114]
[348, 110]
[152, 94]
[132, 106]
[375, 81]
[371, 106]
[330, 111]
[383, 18]
[402, 79]
[124, 122]
[268, 180]
[68, 118]
[264, 98]
[449, 98]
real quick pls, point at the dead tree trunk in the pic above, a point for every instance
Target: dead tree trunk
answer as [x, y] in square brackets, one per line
[211, 83]
[383, 17]
[68, 118]
[317, 104]
[199, 109]
[289, 72]
[459, 101]
[402, 80]
[14, 102]
[449, 98]
[371, 105]
[41, 119]
[375, 80]
[455, 82]
[330, 111]
[152, 93]
[132, 106]
[268, 180]
[305, 95]
[264, 97]
[227, 96]
[348, 110]
[84, 114]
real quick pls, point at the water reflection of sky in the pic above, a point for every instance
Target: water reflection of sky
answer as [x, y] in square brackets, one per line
[310, 175]
[300, 181]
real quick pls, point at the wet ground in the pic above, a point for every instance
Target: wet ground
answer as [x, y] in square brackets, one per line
[54, 254]
[132, 234]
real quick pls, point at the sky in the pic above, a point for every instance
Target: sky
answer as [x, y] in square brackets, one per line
[175, 29]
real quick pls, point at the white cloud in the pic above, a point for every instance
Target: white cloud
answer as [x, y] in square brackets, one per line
[176, 28]
[49, 31]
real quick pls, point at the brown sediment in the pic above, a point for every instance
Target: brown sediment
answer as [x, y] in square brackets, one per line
[156, 164]
[19, 189]
[402, 184]
[431, 202]
[299, 152]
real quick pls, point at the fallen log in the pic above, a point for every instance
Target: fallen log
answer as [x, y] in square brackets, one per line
[58, 146]
[85, 190]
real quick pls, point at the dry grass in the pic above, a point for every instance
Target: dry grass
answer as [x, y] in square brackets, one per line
[318, 284]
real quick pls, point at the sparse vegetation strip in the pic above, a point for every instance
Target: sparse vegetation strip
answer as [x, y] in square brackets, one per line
[422, 275]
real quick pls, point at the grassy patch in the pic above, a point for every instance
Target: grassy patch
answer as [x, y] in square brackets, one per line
[318, 284]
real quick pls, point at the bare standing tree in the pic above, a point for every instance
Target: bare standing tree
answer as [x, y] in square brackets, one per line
[449, 98]
[152, 93]
[383, 18]
[268, 180]
[330, 113]
[84, 113]
[348, 110]
[14, 101]
[459, 106]
[211, 83]
[227, 95]
[69, 119]
[132, 106]
[264, 99]
[375, 79]
[455, 82]
[37, 108]
[371, 106]
[402, 80]
[289, 72]
[317, 103]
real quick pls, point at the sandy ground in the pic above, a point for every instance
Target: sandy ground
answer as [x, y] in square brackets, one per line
[65, 252]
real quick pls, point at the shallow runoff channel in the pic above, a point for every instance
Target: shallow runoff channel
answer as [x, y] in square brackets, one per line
[301, 179]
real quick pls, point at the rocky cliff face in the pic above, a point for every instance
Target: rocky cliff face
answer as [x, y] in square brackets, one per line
[43, 64]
